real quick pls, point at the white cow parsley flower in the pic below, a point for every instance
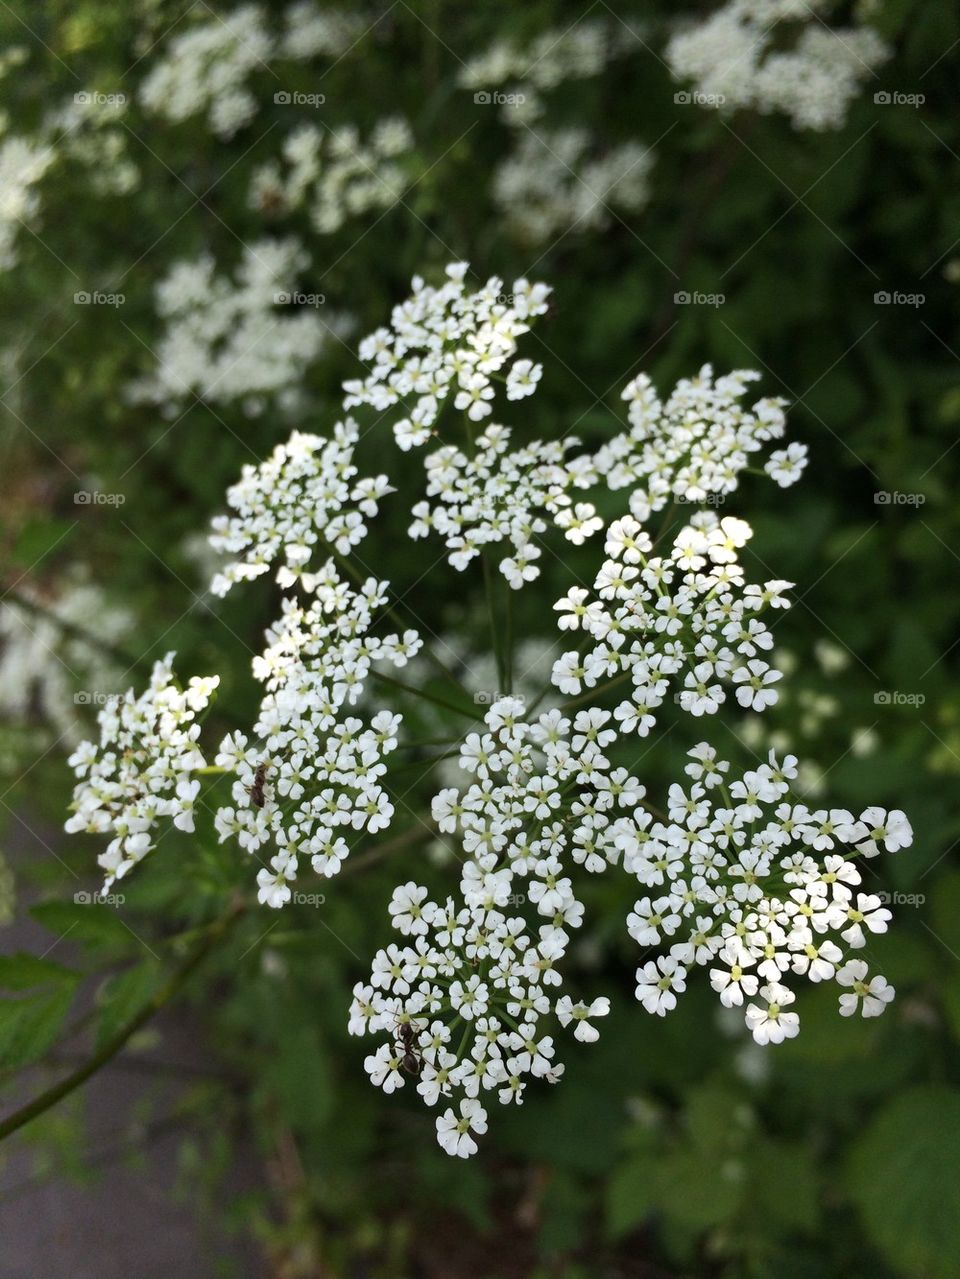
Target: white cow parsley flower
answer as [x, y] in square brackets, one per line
[335, 175]
[305, 496]
[560, 180]
[776, 56]
[695, 444]
[315, 773]
[870, 997]
[685, 618]
[229, 339]
[444, 341]
[205, 68]
[141, 770]
[736, 874]
[745, 881]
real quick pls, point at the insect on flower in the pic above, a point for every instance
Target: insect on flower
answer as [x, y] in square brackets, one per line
[256, 790]
[411, 1060]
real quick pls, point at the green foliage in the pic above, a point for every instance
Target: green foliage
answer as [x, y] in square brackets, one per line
[124, 997]
[31, 1020]
[903, 1179]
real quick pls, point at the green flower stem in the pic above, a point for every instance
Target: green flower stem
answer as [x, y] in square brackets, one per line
[422, 692]
[424, 763]
[494, 633]
[591, 693]
[508, 641]
[392, 610]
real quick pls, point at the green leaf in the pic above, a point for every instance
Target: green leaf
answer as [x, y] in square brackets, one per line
[29, 1026]
[25, 972]
[38, 539]
[124, 996]
[564, 1210]
[696, 1192]
[88, 923]
[945, 911]
[631, 1193]
[783, 1186]
[903, 1176]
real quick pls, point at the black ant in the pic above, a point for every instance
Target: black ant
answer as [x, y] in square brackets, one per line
[256, 790]
[410, 1060]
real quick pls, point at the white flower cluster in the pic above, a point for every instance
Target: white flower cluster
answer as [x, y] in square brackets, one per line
[696, 444]
[496, 495]
[45, 655]
[306, 493]
[205, 69]
[744, 881]
[742, 56]
[447, 341]
[741, 877]
[91, 133]
[464, 997]
[654, 617]
[335, 175]
[312, 32]
[314, 774]
[555, 182]
[22, 164]
[142, 769]
[239, 339]
[551, 60]
[468, 997]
